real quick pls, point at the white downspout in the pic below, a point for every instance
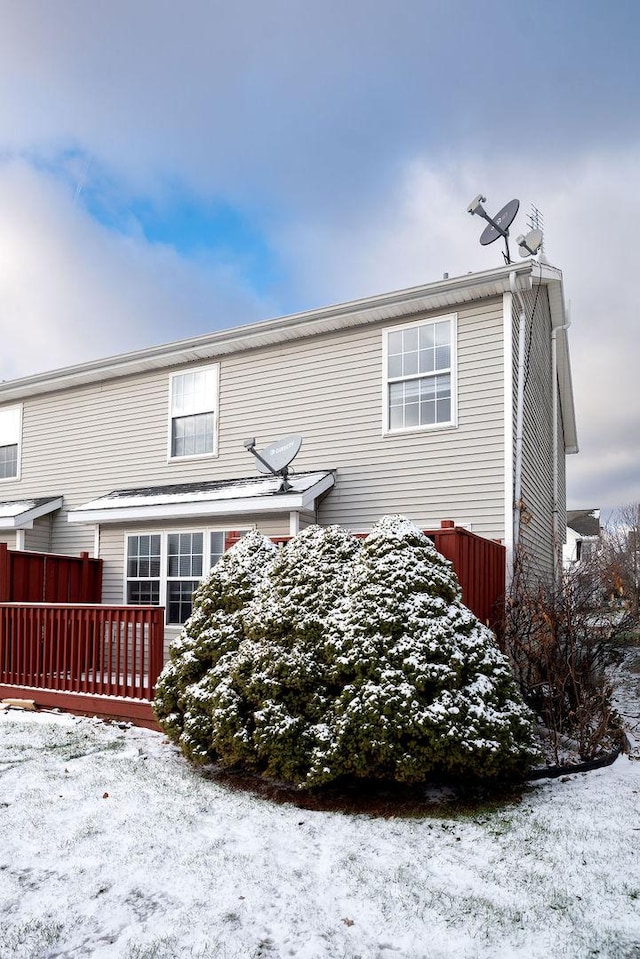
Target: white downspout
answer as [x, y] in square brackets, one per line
[517, 480]
[554, 373]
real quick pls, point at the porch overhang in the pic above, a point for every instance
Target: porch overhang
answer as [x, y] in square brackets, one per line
[218, 498]
[21, 514]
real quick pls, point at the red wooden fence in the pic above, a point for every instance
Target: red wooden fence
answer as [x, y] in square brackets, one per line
[480, 567]
[479, 564]
[27, 577]
[99, 651]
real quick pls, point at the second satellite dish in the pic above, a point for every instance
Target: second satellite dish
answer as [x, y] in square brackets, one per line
[280, 454]
[276, 457]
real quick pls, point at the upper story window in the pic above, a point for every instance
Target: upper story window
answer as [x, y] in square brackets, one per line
[193, 404]
[10, 428]
[420, 375]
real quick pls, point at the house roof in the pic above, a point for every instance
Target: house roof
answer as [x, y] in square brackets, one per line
[443, 294]
[20, 514]
[255, 494]
[585, 522]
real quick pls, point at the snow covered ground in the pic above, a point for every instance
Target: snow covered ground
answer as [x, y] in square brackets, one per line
[111, 846]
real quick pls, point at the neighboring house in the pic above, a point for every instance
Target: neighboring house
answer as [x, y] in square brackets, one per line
[408, 402]
[583, 533]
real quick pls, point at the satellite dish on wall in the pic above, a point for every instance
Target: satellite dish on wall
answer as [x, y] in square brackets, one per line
[275, 459]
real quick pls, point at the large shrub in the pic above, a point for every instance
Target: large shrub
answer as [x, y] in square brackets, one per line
[266, 705]
[213, 632]
[424, 688]
[336, 658]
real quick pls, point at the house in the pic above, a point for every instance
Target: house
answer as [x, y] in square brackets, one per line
[450, 400]
[583, 533]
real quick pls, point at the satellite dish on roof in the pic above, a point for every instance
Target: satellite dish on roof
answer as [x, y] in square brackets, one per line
[275, 459]
[530, 244]
[498, 226]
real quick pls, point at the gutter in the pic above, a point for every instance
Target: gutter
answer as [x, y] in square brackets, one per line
[517, 481]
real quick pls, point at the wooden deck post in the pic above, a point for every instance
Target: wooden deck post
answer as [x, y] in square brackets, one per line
[5, 574]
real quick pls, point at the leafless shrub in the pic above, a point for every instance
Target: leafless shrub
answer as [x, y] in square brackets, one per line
[560, 637]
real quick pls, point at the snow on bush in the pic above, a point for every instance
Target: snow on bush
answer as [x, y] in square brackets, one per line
[333, 658]
[281, 673]
[213, 632]
[263, 705]
[424, 689]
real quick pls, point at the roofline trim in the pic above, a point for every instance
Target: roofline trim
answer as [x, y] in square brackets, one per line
[379, 308]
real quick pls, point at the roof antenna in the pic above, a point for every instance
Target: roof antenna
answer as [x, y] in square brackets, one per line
[498, 225]
[276, 457]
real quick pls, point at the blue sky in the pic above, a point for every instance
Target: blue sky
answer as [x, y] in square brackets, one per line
[170, 169]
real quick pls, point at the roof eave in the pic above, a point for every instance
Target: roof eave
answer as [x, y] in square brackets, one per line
[253, 505]
[442, 294]
[26, 519]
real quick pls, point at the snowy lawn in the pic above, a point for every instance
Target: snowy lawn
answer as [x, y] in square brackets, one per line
[111, 846]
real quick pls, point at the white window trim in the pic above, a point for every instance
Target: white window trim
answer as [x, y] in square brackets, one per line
[452, 424]
[164, 551]
[215, 367]
[18, 476]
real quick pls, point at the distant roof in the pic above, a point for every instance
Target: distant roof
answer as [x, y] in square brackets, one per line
[585, 522]
[20, 514]
[254, 494]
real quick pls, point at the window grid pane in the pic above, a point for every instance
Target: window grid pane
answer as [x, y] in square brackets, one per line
[192, 392]
[419, 378]
[143, 592]
[8, 461]
[143, 556]
[192, 435]
[217, 547]
[184, 554]
[179, 600]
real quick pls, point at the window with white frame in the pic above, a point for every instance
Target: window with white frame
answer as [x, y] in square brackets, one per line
[164, 569]
[10, 419]
[420, 375]
[193, 413]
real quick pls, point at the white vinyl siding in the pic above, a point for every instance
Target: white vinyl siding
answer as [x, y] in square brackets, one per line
[193, 413]
[420, 375]
[328, 388]
[536, 526]
[38, 539]
[10, 430]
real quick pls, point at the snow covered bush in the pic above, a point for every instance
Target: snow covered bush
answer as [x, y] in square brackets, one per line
[423, 688]
[213, 632]
[333, 658]
[282, 673]
[265, 705]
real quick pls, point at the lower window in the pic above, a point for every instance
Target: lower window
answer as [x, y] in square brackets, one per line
[164, 569]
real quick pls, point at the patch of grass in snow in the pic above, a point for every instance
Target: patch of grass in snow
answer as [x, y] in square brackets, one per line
[31, 939]
[169, 947]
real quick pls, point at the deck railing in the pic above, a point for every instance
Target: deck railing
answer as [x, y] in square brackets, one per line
[99, 650]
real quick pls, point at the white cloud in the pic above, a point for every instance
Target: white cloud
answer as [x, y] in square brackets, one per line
[70, 289]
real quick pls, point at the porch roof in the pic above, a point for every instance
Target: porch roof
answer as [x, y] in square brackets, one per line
[255, 494]
[20, 514]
